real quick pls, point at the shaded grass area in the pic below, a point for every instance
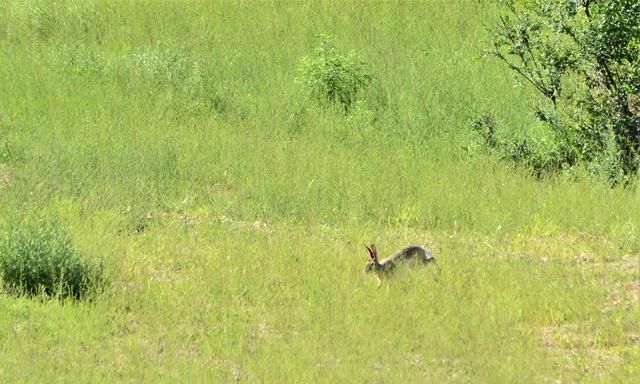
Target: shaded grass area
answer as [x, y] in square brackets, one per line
[229, 209]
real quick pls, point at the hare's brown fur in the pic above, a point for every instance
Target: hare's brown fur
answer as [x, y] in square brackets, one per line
[411, 255]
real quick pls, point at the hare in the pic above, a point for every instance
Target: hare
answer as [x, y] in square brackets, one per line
[411, 255]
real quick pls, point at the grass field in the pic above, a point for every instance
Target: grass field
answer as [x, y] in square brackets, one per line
[173, 142]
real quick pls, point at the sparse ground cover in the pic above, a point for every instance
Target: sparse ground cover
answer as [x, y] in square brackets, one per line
[175, 144]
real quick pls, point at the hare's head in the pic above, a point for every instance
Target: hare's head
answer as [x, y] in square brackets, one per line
[372, 264]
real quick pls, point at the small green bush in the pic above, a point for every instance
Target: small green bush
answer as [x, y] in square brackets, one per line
[37, 259]
[332, 77]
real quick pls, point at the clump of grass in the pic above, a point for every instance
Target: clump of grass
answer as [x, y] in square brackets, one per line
[332, 77]
[40, 259]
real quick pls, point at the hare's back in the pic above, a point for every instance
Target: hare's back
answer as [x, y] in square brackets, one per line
[414, 253]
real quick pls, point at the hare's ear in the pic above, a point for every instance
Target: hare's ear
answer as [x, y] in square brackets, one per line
[371, 252]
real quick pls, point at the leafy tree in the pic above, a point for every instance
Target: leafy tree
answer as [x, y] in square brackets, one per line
[583, 56]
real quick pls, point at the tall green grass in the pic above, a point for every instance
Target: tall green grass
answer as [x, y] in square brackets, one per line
[173, 141]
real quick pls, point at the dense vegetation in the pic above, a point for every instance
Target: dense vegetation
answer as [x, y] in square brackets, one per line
[226, 161]
[584, 58]
[40, 260]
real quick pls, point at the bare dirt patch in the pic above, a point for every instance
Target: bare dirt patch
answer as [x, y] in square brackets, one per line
[579, 346]
[573, 345]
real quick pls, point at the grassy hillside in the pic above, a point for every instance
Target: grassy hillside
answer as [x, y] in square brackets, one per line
[174, 143]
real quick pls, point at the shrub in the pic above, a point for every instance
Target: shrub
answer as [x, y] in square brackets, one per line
[485, 126]
[36, 259]
[541, 155]
[331, 77]
[584, 58]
